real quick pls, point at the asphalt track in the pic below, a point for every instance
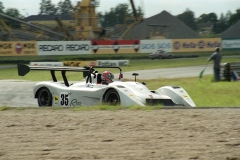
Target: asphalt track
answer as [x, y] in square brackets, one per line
[192, 71]
[14, 93]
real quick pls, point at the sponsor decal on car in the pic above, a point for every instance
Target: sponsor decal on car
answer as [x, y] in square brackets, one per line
[131, 95]
[74, 103]
[56, 100]
[90, 85]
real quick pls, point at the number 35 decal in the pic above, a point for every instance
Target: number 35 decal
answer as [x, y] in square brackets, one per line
[64, 100]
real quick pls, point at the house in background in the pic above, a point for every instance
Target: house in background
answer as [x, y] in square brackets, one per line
[205, 28]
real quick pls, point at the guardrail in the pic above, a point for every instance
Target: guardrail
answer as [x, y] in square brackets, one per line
[230, 71]
[225, 72]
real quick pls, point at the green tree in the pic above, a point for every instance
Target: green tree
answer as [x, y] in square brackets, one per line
[12, 12]
[234, 17]
[188, 18]
[140, 12]
[118, 15]
[221, 25]
[1, 7]
[47, 8]
[65, 7]
[211, 17]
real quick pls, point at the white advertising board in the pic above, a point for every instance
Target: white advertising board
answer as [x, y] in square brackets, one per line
[231, 44]
[149, 46]
[64, 47]
[112, 63]
[46, 63]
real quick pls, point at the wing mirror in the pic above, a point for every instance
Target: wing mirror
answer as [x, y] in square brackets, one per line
[135, 74]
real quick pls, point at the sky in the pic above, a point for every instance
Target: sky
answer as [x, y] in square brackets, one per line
[150, 7]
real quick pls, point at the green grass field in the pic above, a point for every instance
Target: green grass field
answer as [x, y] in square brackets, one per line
[134, 65]
[203, 93]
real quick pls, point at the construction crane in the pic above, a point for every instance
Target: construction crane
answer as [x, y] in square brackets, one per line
[87, 26]
[63, 28]
[8, 31]
[138, 19]
[134, 10]
[46, 31]
[125, 28]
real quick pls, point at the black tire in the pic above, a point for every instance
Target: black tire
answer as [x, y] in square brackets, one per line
[111, 97]
[44, 97]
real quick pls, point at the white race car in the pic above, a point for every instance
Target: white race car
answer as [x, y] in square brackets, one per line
[93, 91]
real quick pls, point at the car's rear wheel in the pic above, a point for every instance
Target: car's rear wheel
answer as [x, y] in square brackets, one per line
[111, 97]
[44, 97]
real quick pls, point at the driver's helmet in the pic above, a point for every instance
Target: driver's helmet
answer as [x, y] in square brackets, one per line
[107, 76]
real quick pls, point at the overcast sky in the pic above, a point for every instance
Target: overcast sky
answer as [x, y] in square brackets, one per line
[150, 7]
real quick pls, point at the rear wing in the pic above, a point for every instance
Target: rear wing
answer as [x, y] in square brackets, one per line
[87, 71]
[24, 69]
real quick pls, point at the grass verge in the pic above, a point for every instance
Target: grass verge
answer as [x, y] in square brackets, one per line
[205, 93]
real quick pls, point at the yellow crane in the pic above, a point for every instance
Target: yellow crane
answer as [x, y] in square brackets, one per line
[9, 31]
[87, 26]
[64, 28]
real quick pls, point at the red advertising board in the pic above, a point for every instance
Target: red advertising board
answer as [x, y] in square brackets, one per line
[115, 46]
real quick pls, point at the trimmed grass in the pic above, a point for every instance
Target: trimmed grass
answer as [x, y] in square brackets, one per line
[204, 93]
[134, 65]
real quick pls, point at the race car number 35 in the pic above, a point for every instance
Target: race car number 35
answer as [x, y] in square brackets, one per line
[64, 99]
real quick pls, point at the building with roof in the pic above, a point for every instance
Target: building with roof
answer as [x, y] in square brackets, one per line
[205, 27]
[160, 26]
[232, 32]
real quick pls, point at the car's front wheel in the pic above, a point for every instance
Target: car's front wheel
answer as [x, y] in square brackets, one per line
[44, 97]
[111, 97]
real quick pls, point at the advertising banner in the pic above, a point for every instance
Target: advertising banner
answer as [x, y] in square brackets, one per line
[18, 48]
[231, 44]
[115, 46]
[63, 47]
[195, 45]
[79, 63]
[149, 46]
[46, 64]
[112, 63]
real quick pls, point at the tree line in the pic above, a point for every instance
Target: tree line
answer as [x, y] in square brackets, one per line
[219, 24]
[122, 14]
[46, 8]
